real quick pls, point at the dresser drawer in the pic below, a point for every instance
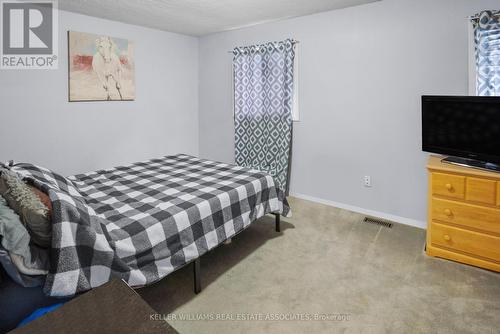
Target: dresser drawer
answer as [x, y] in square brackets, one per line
[498, 193]
[474, 243]
[473, 216]
[448, 185]
[480, 190]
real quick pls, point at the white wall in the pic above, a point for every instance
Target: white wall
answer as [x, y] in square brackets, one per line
[39, 125]
[362, 72]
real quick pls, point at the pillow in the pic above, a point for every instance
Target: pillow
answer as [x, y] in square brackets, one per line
[33, 213]
[44, 198]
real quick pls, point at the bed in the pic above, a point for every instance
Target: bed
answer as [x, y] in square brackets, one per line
[142, 221]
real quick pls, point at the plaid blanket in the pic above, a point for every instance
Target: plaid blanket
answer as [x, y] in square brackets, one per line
[143, 221]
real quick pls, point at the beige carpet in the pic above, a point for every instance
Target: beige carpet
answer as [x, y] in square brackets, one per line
[326, 262]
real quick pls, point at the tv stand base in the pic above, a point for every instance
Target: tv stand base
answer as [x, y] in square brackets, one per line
[483, 165]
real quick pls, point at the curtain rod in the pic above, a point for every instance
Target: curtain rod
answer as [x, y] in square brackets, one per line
[294, 42]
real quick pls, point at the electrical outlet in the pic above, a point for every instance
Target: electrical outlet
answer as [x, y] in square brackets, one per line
[368, 181]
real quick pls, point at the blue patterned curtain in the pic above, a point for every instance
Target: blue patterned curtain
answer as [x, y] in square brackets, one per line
[263, 93]
[487, 46]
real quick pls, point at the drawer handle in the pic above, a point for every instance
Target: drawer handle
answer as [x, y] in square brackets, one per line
[447, 237]
[449, 186]
[448, 212]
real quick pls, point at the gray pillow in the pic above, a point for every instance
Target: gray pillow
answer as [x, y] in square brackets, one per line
[33, 213]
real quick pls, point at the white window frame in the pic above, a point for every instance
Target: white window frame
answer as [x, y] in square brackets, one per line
[472, 60]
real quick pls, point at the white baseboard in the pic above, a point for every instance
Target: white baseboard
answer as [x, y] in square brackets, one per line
[373, 213]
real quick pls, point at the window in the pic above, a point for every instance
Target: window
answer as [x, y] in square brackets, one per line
[295, 97]
[295, 104]
[485, 35]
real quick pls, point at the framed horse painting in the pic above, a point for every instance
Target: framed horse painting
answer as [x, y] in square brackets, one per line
[101, 68]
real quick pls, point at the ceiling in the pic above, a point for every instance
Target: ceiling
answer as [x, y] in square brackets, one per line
[201, 17]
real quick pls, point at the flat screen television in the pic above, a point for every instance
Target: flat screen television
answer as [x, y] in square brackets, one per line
[464, 127]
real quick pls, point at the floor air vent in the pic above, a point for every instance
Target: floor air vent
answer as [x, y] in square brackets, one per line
[376, 221]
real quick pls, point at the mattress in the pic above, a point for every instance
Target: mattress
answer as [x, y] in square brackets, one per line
[142, 221]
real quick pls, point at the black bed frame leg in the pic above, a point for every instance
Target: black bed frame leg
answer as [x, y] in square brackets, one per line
[278, 227]
[196, 272]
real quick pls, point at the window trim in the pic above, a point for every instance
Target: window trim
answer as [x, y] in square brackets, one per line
[472, 60]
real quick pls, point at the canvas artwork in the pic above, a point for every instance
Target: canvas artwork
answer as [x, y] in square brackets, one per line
[101, 68]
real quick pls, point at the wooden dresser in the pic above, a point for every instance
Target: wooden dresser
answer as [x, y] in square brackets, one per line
[464, 214]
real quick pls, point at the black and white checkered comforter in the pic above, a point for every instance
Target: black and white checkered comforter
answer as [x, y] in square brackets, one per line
[143, 221]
